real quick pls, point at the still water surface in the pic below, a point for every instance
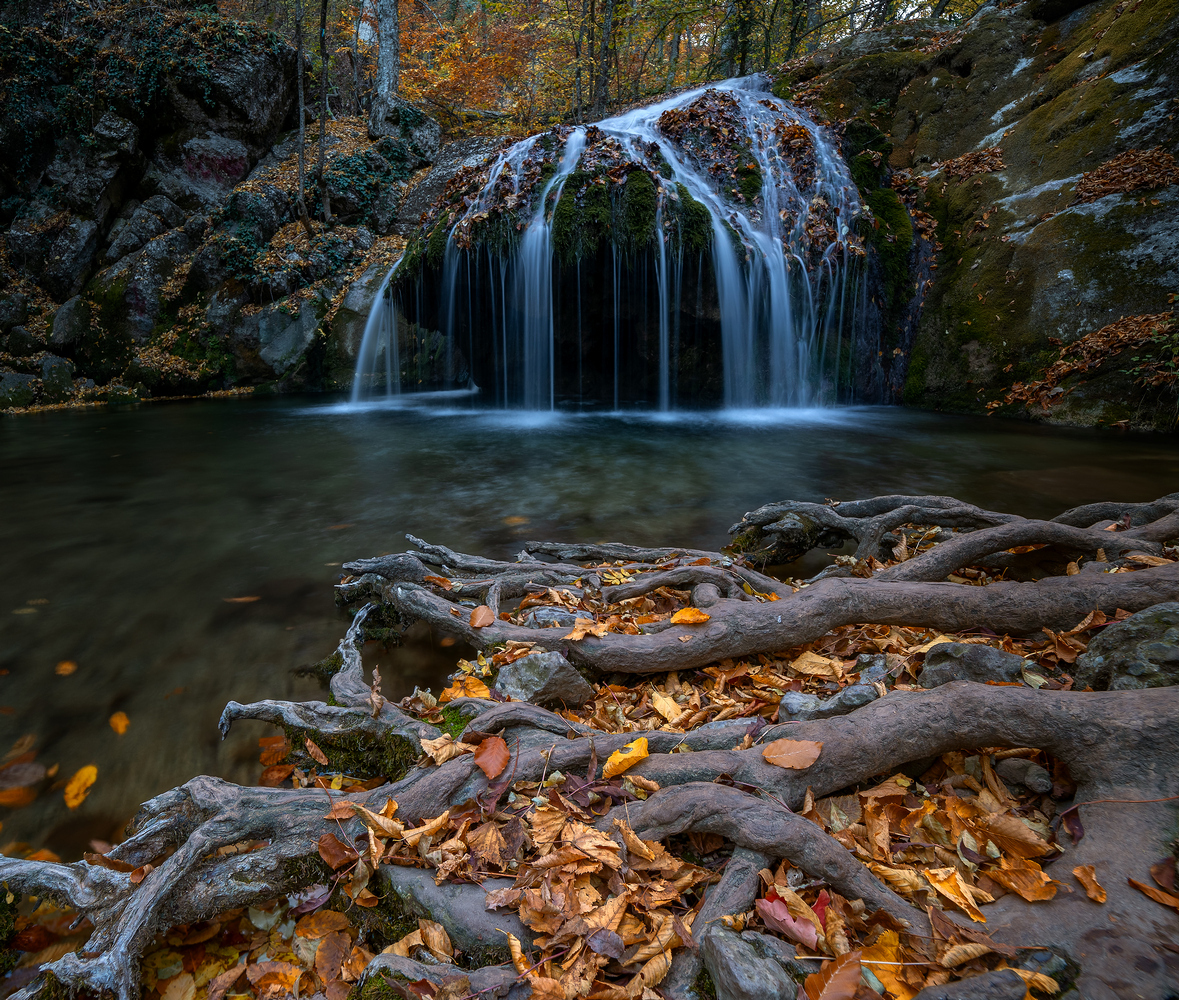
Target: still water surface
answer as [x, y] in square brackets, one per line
[123, 533]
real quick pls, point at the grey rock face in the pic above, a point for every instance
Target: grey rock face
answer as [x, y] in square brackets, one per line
[14, 310]
[544, 679]
[147, 221]
[545, 617]
[70, 259]
[141, 276]
[1141, 652]
[803, 707]
[963, 661]
[1020, 771]
[21, 342]
[739, 972]
[1003, 985]
[17, 390]
[57, 380]
[71, 323]
[401, 119]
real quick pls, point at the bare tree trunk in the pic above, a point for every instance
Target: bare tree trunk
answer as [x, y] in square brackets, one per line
[356, 59]
[389, 52]
[672, 62]
[602, 94]
[323, 111]
[301, 202]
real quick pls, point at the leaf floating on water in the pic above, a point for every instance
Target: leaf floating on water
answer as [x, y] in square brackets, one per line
[1087, 876]
[624, 759]
[690, 616]
[241, 600]
[793, 754]
[119, 722]
[493, 756]
[464, 687]
[482, 616]
[837, 980]
[65, 668]
[78, 786]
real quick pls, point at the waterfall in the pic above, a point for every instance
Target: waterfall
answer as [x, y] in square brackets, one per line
[780, 260]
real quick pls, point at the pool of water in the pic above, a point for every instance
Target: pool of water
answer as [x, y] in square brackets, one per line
[125, 532]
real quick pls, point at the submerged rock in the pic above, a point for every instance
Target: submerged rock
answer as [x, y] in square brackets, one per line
[1140, 652]
[965, 661]
[544, 679]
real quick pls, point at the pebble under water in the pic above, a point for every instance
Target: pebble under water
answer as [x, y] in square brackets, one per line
[126, 532]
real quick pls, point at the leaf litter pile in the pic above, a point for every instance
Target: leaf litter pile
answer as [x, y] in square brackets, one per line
[605, 911]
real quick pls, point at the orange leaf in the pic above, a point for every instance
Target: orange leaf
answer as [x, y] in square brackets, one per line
[16, 798]
[102, 861]
[78, 786]
[317, 925]
[1087, 876]
[884, 959]
[464, 687]
[120, 722]
[837, 980]
[140, 873]
[274, 749]
[65, 668]
[439, 581]
[626, 758]
[482, 616]
[318, 756]
[240, 600]
[1166, 898]
[794, 754]
[689, 616]
[493, 756]
[1023, 877]
[330, 955]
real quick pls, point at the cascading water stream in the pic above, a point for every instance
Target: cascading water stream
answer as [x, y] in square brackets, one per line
[781, 282]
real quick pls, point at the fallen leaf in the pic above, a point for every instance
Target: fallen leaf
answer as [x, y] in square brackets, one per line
[240, 600]
[341, 809]
[837, 980]
[78, 787]
[493, 756]
[317, 925]
[884, 959]
[102, 861]
[464, 687]
[1037, 981]
[690, 616]
[439, 581]
[1024, 877]
[949, 883]
[17, 798]
[435, 938]
[274, 749]
[182, 987]
[959, 954]
[624, 759]
[1087, 876]
[65, 668]
[814, 665]
[140, 873]
[330, 954]
[119, 722]
[1166, 898]
[272, 777]
[223, 983]
[666, 706]
[335, 853]
[794, 754]
[775, 915]
[445, 748]
[318, 756]
[1163, 872]
[482, 616]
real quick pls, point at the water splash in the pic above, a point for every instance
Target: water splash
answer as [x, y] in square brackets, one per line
[783, 291]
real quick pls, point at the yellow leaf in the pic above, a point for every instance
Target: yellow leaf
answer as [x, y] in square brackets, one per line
[1087, 876]
[937, 640]
[689, 616]
[1037, 981]
[519, 960]
[948, 882]
[435, 938]
[815, 665]
[1024, 877]
[78, 786]
[120, 722]
[794, 754]
[627, 757]
[666, 707]
[464, 687]
[883, 959]
[959, 954]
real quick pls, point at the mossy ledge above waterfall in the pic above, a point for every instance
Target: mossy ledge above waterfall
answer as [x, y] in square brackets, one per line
[1028, 261]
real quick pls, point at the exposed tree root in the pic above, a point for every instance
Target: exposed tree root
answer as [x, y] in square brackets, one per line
[216, 846]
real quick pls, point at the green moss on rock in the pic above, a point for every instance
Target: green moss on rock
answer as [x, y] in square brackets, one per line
[639, 207]
[893, 243]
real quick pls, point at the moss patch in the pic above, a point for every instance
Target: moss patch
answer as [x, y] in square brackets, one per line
[360, 755]
[893, 243]
[639, 206]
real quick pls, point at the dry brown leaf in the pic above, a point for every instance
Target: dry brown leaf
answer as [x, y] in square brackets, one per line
[316, 925]
[1024, 877]
[142, 872]
[814, 665]
[492, 756]
[949, 883]
[793, 754]
[1087, 876]
[836, 980]
[482, 616]
[317, 755]
[335, 852]
[445, 748]
[1158, 895]
[959, 954]
[439, 581]
[333, 949]
[464, 687]
[435, 938]
[1037, 981]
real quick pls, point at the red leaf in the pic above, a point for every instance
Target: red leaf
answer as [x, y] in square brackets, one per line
[820, 907]
[335, 853]
[776, 916]
[493, 756]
